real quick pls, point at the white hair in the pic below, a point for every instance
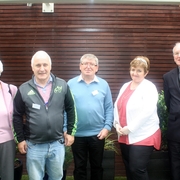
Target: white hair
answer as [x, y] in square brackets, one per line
[43, 53]
[1, 67]
[177, 44]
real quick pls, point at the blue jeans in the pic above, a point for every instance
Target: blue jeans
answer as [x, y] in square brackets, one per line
[47, 157]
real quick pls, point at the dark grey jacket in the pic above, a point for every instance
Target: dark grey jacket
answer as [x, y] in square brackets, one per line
[39, 122]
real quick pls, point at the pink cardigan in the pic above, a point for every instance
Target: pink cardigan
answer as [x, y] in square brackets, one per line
[6, 134]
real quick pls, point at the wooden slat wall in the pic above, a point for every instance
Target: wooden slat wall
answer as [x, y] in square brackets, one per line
[115, 33]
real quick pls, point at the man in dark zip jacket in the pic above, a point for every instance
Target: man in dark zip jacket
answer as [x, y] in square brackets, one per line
[38, 120]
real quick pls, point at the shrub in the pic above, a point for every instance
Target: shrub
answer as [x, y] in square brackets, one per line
[163, 118]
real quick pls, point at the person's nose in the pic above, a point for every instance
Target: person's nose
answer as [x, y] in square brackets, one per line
[42, 68]
[88, 65]
[135, 73]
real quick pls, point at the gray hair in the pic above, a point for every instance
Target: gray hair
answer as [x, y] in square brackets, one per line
[1, 67]
[42, 53]
[89, 56]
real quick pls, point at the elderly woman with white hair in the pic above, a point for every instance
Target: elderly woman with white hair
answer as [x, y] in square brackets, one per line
[7, 143]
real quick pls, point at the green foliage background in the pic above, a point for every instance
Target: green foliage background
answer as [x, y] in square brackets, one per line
[163, 117]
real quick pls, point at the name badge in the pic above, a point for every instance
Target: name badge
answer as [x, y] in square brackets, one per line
[95, 92]
[36, 106]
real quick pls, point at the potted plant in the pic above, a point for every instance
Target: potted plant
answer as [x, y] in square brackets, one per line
[108, 163]
[110, 144]
[159, 167]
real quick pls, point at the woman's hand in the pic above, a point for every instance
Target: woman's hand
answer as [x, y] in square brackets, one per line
[118, 129]
[125, 130]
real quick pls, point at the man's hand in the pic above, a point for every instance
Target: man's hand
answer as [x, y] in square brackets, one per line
[22, 147]
[103, 133]
[69, 139]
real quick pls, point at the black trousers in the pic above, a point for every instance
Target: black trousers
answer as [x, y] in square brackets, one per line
[174, 154]
[84, 148]
[135, 159]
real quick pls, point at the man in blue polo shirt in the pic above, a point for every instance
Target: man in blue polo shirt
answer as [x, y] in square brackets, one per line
[94, 107]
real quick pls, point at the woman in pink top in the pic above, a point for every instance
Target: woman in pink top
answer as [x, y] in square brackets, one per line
[136, 120]
[7, 143]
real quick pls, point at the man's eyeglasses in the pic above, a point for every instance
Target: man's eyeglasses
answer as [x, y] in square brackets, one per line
[87, 63]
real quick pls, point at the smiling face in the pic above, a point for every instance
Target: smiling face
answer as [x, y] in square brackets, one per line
[41, 66]
[139, 68]
[88, 66]
[137, 74]
[176, 54]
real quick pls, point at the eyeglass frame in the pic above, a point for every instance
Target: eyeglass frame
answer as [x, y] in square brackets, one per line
[88, 63]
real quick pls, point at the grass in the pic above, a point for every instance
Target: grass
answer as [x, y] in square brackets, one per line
[25, 177]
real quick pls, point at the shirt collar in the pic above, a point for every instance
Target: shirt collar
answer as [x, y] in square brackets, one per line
[81, 79]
